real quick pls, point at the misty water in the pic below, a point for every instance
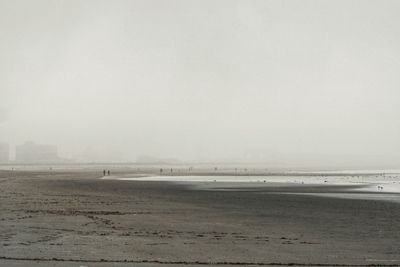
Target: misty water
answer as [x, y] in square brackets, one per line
[372, 187]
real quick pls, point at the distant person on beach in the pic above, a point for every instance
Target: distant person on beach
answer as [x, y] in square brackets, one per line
[108, 172]
[104, 172]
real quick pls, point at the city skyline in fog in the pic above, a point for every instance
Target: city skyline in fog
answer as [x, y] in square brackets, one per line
[251, 81]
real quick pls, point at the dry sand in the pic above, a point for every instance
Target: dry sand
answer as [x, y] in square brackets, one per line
[74, 218]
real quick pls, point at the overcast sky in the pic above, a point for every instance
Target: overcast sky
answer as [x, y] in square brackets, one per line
[202, 80]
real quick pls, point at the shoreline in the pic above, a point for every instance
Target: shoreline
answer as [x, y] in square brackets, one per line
[359, 183]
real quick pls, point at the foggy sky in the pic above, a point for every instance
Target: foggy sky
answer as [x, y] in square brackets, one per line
[202, 80]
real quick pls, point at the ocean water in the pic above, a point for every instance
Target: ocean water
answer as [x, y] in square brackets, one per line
[384, 183]
[384, 187]
[391, 197]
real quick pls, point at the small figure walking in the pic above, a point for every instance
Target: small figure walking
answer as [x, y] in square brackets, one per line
[104, 172]
[108, 172]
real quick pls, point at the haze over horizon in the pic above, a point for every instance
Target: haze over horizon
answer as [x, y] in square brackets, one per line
[204, 80]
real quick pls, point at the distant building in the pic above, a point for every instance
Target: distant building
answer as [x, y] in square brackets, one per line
[4, 152]
[30, 152]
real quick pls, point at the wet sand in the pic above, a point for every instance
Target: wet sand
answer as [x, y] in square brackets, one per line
[76, 219]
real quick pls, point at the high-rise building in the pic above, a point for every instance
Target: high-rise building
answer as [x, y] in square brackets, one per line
[30, 152]
[4, 152]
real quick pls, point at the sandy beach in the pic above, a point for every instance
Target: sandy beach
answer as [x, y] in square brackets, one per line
[75, 218]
